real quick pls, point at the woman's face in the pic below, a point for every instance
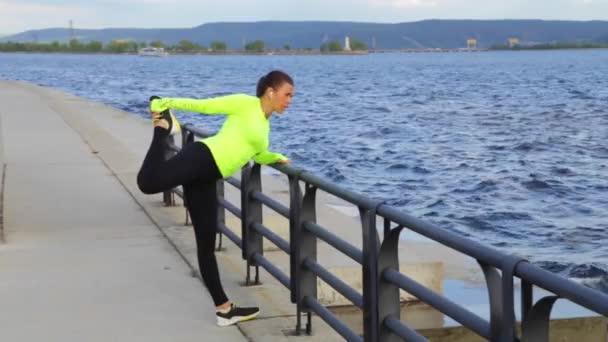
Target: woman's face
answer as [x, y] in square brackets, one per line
[281, 97]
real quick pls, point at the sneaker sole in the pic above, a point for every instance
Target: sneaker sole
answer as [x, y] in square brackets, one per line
[223, 322]
[177, 127]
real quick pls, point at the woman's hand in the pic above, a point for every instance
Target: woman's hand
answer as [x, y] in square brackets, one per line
[156, 116]
[284, 161]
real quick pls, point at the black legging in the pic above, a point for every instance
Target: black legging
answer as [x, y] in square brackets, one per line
[195, 169]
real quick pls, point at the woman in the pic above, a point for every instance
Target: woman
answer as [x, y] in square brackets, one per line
[198, 166]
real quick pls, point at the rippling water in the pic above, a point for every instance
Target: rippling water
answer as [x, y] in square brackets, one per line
[506, 148]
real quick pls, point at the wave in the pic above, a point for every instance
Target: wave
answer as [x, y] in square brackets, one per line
[497, 147]
[334, 174]
[528, 146]
[551, 186]
[380, 109]
[397, 167]
[331, 94]
[487, 185]
[580, 95]
[593, 275]
[437, 203]
[420, 170]
[536, 184]
[562, 171]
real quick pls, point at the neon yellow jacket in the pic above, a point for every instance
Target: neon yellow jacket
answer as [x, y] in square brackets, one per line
[244, 133]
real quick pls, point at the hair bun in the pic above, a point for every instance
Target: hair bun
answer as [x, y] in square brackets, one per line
[272, 79]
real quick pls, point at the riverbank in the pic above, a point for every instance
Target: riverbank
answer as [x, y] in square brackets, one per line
[321, 53]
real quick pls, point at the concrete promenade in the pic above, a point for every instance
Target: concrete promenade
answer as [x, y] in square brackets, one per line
[85, 256]
[96, 258]
[81, 260]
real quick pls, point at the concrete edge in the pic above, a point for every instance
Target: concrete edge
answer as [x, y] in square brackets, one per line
[563, 329]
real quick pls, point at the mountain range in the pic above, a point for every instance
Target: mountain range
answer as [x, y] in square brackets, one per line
[311, 34]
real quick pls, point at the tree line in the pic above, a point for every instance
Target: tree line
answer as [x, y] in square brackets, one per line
[130, 46]
[552, 46]
[115, 46]
[336, 46]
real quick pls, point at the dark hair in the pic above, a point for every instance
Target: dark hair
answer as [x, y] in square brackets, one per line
[272, 79]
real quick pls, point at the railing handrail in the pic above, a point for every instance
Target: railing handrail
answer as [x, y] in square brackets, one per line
[380, 298]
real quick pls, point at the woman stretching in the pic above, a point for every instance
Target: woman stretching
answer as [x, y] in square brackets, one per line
[199, 165]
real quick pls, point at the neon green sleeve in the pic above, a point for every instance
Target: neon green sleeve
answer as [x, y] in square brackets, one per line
[268, 157]
[228, 105]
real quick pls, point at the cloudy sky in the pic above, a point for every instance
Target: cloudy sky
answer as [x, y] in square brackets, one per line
[20, 15]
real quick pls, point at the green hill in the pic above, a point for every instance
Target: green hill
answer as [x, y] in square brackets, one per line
[311, 34]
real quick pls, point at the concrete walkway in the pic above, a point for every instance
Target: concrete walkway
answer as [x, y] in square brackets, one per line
[81, 260]
[88, 257]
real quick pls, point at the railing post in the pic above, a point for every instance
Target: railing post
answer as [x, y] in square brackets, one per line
[535, 328]
[295, 209]
[494, 285]
[306, 247]
[500, 290]
[221, 212]
[508, 273]
[387, 228]
[245, 175]
[252, 212]
[168, 197]
[527, 299]
[371, 246]
[187, 138]
[389, 303]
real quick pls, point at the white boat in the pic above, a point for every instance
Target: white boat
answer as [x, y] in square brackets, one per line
[153, 52]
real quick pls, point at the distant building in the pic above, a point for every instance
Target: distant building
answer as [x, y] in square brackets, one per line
[347, 43]
[471, 43]
[513, 42]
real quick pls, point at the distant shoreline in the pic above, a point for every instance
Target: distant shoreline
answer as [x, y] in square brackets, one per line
[309, 53]
[209, 53]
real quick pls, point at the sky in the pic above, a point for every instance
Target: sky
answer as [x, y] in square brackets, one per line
[22, 15]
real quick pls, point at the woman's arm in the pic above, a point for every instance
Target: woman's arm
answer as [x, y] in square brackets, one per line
[268, 157]
[227, 105]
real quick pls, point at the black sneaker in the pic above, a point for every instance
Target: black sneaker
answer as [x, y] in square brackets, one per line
[235, 315]
[174, 126]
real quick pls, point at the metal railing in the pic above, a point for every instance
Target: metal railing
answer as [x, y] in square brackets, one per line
[379, 259]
